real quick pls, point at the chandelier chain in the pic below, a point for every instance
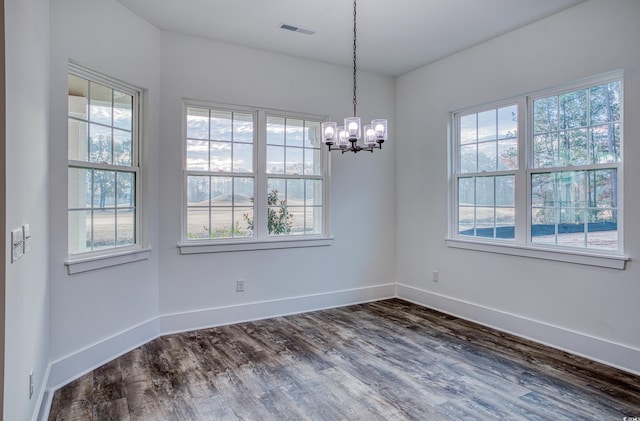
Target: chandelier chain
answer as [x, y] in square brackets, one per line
[355, 99]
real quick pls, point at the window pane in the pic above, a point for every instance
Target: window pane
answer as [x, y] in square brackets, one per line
[605, 144]
[312, 134]
[243, 222]
[295, 133]
[197, 123]
[243, 191]
[126, 227]
[466, 191]
[198, 155]
[468, 129]
[122, 148]
[99, 144]
[79, 182]
[312, 161]
[104, 229]
[277, 190]
[468, 158]
[571, 228]
[242, 127]
[122, 111]
[275, 160]
[100, 104]
[485, 222]
[602, 190]
[295, 192]
[571, 189]
[466, 220]
[505, 191]
[484, 191]
[221, 191]
[507, 154]
[313, 220]
[78, 136]
[487, 156]
[221, 222]
[573, 109]
[545, 150]
[505, 223]
[80, 223]
[78, 94]
[313, 192]
[543, 192]
[605, 103]
[220, 125]
[197, 223]
[125, 189]
[543, 225]
[573, 147]
[508, 122]
[279, 221]
[275, 131]
[220, 156]
[487, 129]
[294, 161]
[103, 189]
[603, 229]
[545, 115]
[197, 191]
[242, 157]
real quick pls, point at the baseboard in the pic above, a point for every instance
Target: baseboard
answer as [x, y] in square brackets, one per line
[43, 404]
[219, 316]
[75, 365]
[616, 355]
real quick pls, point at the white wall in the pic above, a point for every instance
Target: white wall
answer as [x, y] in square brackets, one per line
[362, 187]
[601, 304]
[27, 134]
[93, 306]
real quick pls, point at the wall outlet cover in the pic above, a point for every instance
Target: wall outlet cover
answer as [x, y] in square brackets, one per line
[17, 241]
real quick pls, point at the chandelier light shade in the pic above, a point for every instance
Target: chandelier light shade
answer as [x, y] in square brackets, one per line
[346, 137]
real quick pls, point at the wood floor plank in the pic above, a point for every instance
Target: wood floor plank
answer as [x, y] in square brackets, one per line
[386, 360]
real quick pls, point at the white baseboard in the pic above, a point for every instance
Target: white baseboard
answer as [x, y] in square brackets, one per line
[219, 316]
[69, 368]
[616, 355]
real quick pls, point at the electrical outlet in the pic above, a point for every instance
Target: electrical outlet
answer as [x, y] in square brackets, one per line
[30, 383]
[26, 238]
[240, 285]
[436, 276]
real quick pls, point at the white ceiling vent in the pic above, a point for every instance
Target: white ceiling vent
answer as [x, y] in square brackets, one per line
[296, 29]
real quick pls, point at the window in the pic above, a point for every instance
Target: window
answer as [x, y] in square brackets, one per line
[103, 169]
[252, 175]
[542, 171]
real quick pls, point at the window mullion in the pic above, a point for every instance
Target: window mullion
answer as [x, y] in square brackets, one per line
[261, 183]
[523, 177]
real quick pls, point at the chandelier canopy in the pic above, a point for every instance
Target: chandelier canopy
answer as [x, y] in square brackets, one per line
[346, 137]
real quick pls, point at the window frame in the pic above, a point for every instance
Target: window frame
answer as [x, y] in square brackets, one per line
[97, 259]
[261, 240]
[521, 244]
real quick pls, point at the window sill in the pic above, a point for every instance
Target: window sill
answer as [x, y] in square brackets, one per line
[197, 247]
[611, 261]
[85, 264]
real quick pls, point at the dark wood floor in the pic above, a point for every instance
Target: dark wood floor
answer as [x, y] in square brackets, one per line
[388, 360]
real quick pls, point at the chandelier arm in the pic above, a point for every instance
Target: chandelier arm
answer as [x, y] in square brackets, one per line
[355, 37]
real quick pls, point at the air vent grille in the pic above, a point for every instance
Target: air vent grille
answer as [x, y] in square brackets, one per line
[293, 28]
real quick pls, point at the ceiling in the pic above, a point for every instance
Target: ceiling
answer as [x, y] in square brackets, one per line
[394, 37]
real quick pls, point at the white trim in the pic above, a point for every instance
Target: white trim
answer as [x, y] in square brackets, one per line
[611, 261]
[601, 350]
[252, 244]
[219, 316]
[120, 257]
[77, 364]
[43, 402]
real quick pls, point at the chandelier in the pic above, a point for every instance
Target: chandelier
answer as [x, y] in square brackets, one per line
[346, 137]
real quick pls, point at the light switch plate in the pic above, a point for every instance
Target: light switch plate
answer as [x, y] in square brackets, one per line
[26, 234]
[16, 244]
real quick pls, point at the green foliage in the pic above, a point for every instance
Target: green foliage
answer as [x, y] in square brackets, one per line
[279, 221]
